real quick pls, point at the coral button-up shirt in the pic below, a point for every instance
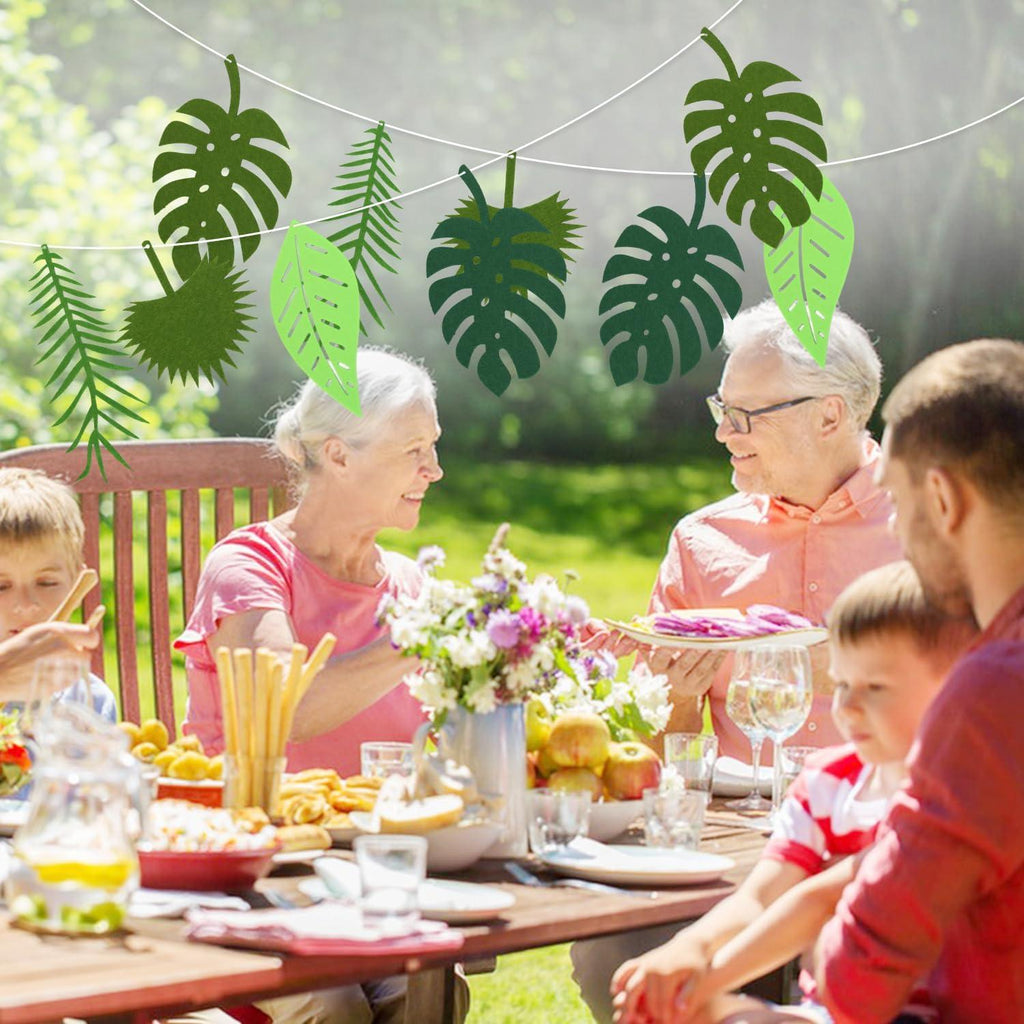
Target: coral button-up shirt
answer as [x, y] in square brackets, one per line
[754, 549]
[942, 889]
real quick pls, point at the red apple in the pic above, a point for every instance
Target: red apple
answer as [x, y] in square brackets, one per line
[531, 771]
[579, 739]
[567, 780]
[631, 768]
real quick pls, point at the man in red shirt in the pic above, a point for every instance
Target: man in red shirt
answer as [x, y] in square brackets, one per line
[942, 890]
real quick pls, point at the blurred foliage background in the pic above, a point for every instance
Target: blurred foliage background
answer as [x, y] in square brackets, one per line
[86, 87]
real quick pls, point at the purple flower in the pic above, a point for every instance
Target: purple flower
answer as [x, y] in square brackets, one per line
[503, 629]
[491, 583]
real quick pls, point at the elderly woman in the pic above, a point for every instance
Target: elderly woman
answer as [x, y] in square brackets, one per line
[318, 567]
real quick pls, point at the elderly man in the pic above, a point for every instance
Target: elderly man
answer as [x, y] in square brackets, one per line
[808, 518]
[942, 889]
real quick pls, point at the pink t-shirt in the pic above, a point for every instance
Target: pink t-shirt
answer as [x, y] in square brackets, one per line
[258, 567]
[753, 549]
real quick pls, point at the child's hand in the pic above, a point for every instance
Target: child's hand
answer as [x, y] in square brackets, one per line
[656, 986]
[46, 639]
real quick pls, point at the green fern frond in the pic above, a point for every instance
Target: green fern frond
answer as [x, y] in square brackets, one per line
[366, 184]
[86, 355]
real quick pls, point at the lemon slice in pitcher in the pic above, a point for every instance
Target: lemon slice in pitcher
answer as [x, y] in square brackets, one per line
[89, 874]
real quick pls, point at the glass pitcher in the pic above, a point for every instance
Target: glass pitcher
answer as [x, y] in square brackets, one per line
[74, 867]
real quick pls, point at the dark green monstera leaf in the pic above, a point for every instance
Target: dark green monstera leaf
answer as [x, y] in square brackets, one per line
[650, 303]
[754, 135]
[212, 186]
[85, 355]
[808, 268]
[190, 332]
[494, 275]
[370, 237]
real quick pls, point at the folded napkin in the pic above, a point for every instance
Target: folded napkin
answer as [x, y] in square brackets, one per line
[734, 778]
[329, 929]
[175, 902]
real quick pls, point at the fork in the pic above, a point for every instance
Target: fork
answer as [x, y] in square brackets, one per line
[527, 877]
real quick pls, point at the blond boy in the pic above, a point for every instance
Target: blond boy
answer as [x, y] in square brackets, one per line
[890, 651]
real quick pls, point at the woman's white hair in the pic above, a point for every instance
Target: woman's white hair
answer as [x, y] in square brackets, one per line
[390, 384]
[852, 368]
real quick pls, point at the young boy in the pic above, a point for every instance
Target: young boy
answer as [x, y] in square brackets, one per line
[41, 540]
[890, 651]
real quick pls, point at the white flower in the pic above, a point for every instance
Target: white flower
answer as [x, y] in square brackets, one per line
[504, 563]
[482, 697]
[470, 651]
[520, 677]
[429, 688]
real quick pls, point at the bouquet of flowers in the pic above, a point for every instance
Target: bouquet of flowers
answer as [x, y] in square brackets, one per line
[504, 638]
[15, 763]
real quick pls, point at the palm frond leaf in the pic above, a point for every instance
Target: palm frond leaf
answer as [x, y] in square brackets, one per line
[806, 271]
[754, 134]
[494, 275]
[193, 331]
[85, 355]
[370, 236]
[210, 187]
[314, 299]
[667, 290]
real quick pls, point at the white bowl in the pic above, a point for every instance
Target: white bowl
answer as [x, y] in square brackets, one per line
[610, 818]
[448, 849]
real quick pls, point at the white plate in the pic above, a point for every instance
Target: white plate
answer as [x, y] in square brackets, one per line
[610, 818]
[636, 865]
[804, 637]
[342, 836]
[453, 848]
[286, 857]
[734, 778]
[441, 899]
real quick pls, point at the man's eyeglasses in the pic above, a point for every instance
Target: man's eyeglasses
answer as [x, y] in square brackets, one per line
[739, 419]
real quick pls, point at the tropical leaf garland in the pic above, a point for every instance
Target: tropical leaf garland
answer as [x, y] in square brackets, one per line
[494, 274]
[808, 268]
[215, 179]
[367, 184]
[86, 355]
[314, 299]
[671, 279]
[190, 332]
[749, 141]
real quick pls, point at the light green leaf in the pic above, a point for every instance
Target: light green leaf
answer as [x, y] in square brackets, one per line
[808, 268]
[314, 299]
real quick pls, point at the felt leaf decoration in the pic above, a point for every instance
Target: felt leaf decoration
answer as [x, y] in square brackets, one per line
[190, 332]
[85, 355]
[212, 186]
[368, 183]
[808, 268]
[750, 142]
[665, 293]
[314, 299]
[494, 275]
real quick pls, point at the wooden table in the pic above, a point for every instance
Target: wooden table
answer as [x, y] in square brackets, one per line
[154, 972]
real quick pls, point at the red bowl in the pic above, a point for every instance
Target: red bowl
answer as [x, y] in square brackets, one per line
[208, 792]
[206, 870]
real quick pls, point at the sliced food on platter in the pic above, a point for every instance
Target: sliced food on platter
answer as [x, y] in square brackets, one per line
[722, 628]
[636, 865]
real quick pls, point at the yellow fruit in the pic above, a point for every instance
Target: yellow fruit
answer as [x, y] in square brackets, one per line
[189, 743]
[132, 730]
[426, 815]
[154, 731]
[166, 758]
[215, 769]
[190, 765]
[145, 751]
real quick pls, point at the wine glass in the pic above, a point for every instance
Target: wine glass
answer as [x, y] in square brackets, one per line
[57, 679]
[737, 707]
[780, 696]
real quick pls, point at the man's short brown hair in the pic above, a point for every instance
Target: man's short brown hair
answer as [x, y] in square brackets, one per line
[35, 507]
[963, 407]
[890, 599]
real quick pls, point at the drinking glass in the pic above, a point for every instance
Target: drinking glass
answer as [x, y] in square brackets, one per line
[378, 760]
[555, 818]
[780, 695]
[673, 818]
[793, 762]
[59, 678]
[391, 870]
[691, 756]
[737, 707]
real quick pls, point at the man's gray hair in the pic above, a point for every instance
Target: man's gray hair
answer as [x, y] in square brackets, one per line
[852, 368]
[390, 384]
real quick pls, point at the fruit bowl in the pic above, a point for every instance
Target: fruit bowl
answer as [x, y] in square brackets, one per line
[610, 818]
[208, 792]
[205, 870]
